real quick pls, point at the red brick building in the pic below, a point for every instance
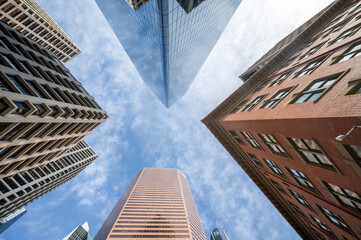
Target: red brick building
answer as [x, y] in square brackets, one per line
[281, 124]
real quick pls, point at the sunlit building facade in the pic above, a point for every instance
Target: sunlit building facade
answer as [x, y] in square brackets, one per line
[157, 204]
[283, 125]
[27, 17]
[168, 40]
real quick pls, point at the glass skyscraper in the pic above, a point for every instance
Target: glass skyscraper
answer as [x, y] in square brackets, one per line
[168, 40]
[218, 234]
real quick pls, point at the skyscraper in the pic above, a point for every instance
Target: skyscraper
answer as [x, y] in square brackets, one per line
[27, 17]
[82, 232]
[44, 110]
[157, 203]
[6, 222]
[30, 183]
[282, 126]
[218, 234]
[168, 40]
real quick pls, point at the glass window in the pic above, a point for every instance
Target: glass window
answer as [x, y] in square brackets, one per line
[312, 92]
[273, 166]
[319, 235]
[19, 85]
[280, 79]
[335, 29]
[10, 62]
[311, 152]
[251, 105]
[322, 225]
[239, 106]
[345, 197]
[49, 92]
[250, 139]
[4, 85]
[235, 136]
[335, 219]
[273, 144]
[307, 44]
[355, 152]
[262, 85]
[288, 62]
[311, 51]
[352, 52]
[349, 32]
[275, 99]
[302, 179]
[278, 186]
[297, 209]
[36, 89]
[309, 68]
[300, 199]
[255, 160]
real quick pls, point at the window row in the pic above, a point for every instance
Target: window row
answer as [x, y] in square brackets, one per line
[353, 201]
[14, 83]
[310, 93]
[12, 131]
[54, 169]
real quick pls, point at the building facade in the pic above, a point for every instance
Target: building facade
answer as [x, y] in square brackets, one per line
[218, 234]
[6, 222]
[168, 40]
[281, 126]
[157, 203]
[44, 110]
[27, 17]
[82, 232]
[28, 185]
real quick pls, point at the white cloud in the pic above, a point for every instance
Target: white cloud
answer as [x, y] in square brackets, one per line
[141, 132]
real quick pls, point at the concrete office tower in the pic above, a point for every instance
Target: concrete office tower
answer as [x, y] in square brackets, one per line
[157, 203]
[44, 110]
[27, 17]
[168, 40]
[6, 222]
[33, 182]
[82, 232]
[281, 126]
[218, 234]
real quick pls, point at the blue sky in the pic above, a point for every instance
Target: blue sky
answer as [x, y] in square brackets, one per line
[141, 132]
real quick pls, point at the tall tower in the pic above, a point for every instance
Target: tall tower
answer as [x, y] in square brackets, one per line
[283, 125]
[81, 232]
[22, 188]
[157, 203]
[218, 234]
[168, 40]
[27, 17]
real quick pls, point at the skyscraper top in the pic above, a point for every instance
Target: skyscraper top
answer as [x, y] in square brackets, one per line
[168, 40]
[218, 234]
[29, 18]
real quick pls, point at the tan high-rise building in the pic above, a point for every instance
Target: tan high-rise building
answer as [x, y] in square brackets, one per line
[157, 204]
[27, 17]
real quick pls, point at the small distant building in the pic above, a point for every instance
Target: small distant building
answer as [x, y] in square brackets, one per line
[218, 234]
[82, 232]
[6, 222]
